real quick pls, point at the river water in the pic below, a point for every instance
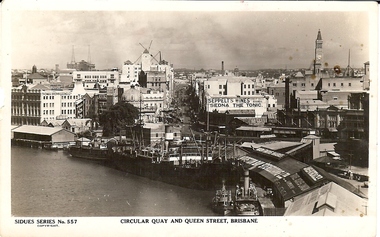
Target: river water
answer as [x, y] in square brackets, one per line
[52, 183]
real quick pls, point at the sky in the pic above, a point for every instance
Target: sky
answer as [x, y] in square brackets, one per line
[189, 39]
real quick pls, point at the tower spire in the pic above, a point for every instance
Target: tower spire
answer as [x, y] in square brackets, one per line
[319, 36]
[318, 54]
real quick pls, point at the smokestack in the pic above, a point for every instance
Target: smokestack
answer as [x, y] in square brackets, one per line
[246, 182]
[222, 67]
[287, 104]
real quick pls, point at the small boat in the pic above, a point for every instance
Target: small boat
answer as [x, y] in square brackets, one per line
[89, 153]
[222, 203]
[246, 200]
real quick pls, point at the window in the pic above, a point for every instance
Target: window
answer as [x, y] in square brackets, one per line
[220, 87]
[249, 86]
[335, 98]
[341, 84]
[303, 84]
[245, 86]
[78, 76]
[156, 134]
[245, 92]
[334, 84]
[328, 84]
[208, 86]
[249, 93]
[349, 84]
[274, 105]
[268, 105]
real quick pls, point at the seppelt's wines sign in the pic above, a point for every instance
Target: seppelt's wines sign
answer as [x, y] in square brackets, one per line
[234, 102]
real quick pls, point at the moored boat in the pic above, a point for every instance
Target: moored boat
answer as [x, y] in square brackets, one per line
[222, 203]
[89, 153]
[246, 200]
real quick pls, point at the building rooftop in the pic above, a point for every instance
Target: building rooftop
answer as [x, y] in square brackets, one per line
[250, 128]
[40, 130]
[328, 200]
[279, 145]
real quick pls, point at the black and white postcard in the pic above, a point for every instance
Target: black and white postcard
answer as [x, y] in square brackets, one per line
[188, 118]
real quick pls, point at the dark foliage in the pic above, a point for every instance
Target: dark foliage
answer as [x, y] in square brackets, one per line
[117, 118]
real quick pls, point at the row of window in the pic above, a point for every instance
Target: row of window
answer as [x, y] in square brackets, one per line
[48, 104]
[70, 97]
[96, 76]
[26, 97]
[156, 84]
[26, 121]
[48, 97]
[329, 84]
[304, 84]
[69, 104]
[249, 86]
[341, 84]
[45, 112]
[69, 111]
[248, 93]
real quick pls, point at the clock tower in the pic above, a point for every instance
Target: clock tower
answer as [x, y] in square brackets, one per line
[318, 54]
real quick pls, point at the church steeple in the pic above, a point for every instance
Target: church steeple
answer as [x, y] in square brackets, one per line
[318, 54]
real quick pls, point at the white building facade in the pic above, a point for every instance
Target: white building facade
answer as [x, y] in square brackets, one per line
[93, 79]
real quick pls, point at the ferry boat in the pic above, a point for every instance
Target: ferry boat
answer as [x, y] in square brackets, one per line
[222, 203]
[246, 200]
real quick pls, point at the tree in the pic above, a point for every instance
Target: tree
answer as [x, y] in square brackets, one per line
[117, 117]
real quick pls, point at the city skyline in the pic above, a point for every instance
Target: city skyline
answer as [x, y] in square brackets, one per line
[193, 40]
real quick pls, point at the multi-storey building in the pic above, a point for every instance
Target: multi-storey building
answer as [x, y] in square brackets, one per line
[97, 79]
[31, 105]
[366, 81]
[230, 85]
[278, 91]
[149, 72]
[81, 66]
[149, 102]
[255, 105]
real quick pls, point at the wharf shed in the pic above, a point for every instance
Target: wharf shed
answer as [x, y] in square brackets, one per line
[328, 200]
[284, 176]
[41, 136]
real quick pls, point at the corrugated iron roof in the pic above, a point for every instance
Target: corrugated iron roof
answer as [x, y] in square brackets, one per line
[341, 202]
[40, 130]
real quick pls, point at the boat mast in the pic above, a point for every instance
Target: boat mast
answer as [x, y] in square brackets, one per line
[140, 124]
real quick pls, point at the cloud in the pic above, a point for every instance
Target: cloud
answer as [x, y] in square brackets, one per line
[248, 40]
